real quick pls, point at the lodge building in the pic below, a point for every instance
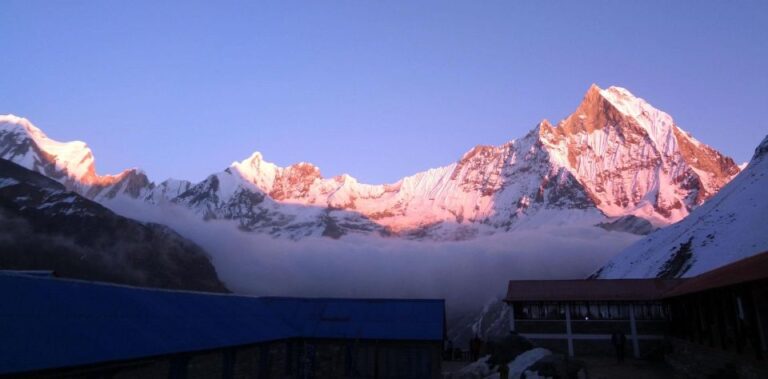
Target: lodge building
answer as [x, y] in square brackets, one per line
[581, 315]
[716, 319]
[51, 327]
[721, 318]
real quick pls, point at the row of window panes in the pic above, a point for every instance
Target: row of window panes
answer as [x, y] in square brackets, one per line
[589, 311]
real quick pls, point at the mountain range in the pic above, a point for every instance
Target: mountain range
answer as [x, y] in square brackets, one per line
[731, 225]
[616, 162]
[44, 226]
[617, 174]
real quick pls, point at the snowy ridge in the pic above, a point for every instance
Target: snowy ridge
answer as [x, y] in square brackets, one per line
[490, 187]
[730, 226]
[74, 158]
[614, 156]
[633, 159]
[71, 163]
[657, 124]
[168, 189]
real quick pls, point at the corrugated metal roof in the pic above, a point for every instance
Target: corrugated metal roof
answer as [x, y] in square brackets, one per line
[51, 323]
[589, 289]
[742, 271]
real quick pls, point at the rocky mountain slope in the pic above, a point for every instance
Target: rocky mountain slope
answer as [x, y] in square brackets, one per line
[732, 225]
[616, 156]
[490, 323]
[633, 159]
[44, 226]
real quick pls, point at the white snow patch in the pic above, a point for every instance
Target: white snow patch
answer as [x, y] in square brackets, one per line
[7, 182]
[477, 369]
[519, 365]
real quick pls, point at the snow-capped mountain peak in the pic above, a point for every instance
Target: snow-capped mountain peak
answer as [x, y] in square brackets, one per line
[633, 159]
[615, 156]
[657, 124]
[257, 171]
[281, 183]
[24, 142]
[71, 163]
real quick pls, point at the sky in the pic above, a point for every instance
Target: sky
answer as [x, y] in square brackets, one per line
[378, 90]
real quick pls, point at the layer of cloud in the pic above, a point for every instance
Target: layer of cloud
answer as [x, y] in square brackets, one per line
[465, 273]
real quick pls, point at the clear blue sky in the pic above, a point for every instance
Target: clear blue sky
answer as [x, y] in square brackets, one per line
[375, 89]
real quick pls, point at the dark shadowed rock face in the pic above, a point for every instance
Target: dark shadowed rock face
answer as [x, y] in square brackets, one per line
[44, 226]
[762, 150]
[679, 262]
[630, 224]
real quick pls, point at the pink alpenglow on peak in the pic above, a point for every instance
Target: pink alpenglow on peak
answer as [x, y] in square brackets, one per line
[71, 163]
[615, 156]
[729, 227]
[633, 159]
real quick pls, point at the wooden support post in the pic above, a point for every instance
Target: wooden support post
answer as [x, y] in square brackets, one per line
[568, 333]
[511, 317]
[738, 316]
[717, 310]
[690, 315]
[761, 345]
[702, 326]
[633, 330]
[720, 312]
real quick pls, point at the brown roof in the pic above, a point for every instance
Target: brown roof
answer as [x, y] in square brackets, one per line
[746, 270]
[589, 289]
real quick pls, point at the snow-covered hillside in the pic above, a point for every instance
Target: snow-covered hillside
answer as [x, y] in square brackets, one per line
[732, 225]
[615, 157]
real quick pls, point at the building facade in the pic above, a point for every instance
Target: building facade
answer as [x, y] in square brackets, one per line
[719, 321]
[77, 329]
[702, 325]
[580, 316]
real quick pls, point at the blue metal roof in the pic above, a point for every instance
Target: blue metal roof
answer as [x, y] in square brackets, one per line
[49, 322]
[393, 319]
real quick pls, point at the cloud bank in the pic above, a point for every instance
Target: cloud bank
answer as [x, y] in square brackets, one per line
[465, 273]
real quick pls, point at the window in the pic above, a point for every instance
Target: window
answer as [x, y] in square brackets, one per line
[599, 311]
[579, 311]
[594, 311]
